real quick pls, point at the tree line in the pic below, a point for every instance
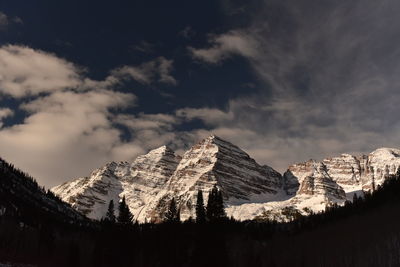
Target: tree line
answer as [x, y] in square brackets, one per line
[214, 211]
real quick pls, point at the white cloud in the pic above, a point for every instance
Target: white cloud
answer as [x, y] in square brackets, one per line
[223, 46]
[71, 126]
[25, 71]
[66, 134]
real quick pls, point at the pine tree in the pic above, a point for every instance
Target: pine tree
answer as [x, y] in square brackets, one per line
[210, 211]
[125, 216]
[219, 209]
[110, 216]
[172, 214]
[200, 211]
[215, 205]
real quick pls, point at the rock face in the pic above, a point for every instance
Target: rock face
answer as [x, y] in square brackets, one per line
[249, 189]
[139, 182]
[214, 161]
[321, 184]
[345, 170]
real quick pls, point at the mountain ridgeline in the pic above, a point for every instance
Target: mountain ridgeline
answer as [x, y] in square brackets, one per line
[249, 189]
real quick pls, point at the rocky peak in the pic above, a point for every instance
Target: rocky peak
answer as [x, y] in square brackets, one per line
[216, 161]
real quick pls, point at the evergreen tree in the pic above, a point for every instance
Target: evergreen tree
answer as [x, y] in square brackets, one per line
[110, 216]
[215, 205]
[125, 216]
[200, 211]
[219, 206]
[172, 214]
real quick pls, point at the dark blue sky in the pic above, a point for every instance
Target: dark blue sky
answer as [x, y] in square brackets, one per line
[86, 82]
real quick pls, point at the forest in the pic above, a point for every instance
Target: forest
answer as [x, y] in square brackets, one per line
[38, 229]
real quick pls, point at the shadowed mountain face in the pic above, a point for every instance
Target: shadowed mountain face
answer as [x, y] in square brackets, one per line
[22, 198]
[249, 189]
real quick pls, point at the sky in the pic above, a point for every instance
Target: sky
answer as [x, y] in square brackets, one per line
[83, 83]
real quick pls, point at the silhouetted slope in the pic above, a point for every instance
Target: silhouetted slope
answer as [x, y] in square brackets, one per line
[23, 199]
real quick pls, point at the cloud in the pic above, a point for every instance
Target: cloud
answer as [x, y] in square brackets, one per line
[151, 130]
[144, 47]
[6, 21]
[157, 70]
[187, 32]
[330, 74]
[3, 21]
[25, 71]
[73, 124]
[223, 46]
[211, 116]
[66, 134]
[18, 20]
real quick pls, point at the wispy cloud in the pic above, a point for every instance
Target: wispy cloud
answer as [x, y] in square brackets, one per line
[236, 42]
[144, 47]
[157, 70]
[330, 74]
[6, 21]
[3, 21]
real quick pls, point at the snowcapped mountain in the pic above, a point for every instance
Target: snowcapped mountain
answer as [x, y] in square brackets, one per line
[353, 174]
[214, 161]
[139, 182]
[249, 189]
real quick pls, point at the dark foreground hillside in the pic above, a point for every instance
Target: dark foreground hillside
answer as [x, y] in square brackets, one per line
[37, 229]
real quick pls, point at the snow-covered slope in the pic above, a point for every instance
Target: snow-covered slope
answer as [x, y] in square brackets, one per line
[249, 189]
[139, 182]
[379, 164]
[352, 173]
[214, 161]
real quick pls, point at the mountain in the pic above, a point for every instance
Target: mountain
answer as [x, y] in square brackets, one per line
[214, 161]
[153, 179]
[139, 181]
[23, 199]
[354, 174]
[249, 190]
